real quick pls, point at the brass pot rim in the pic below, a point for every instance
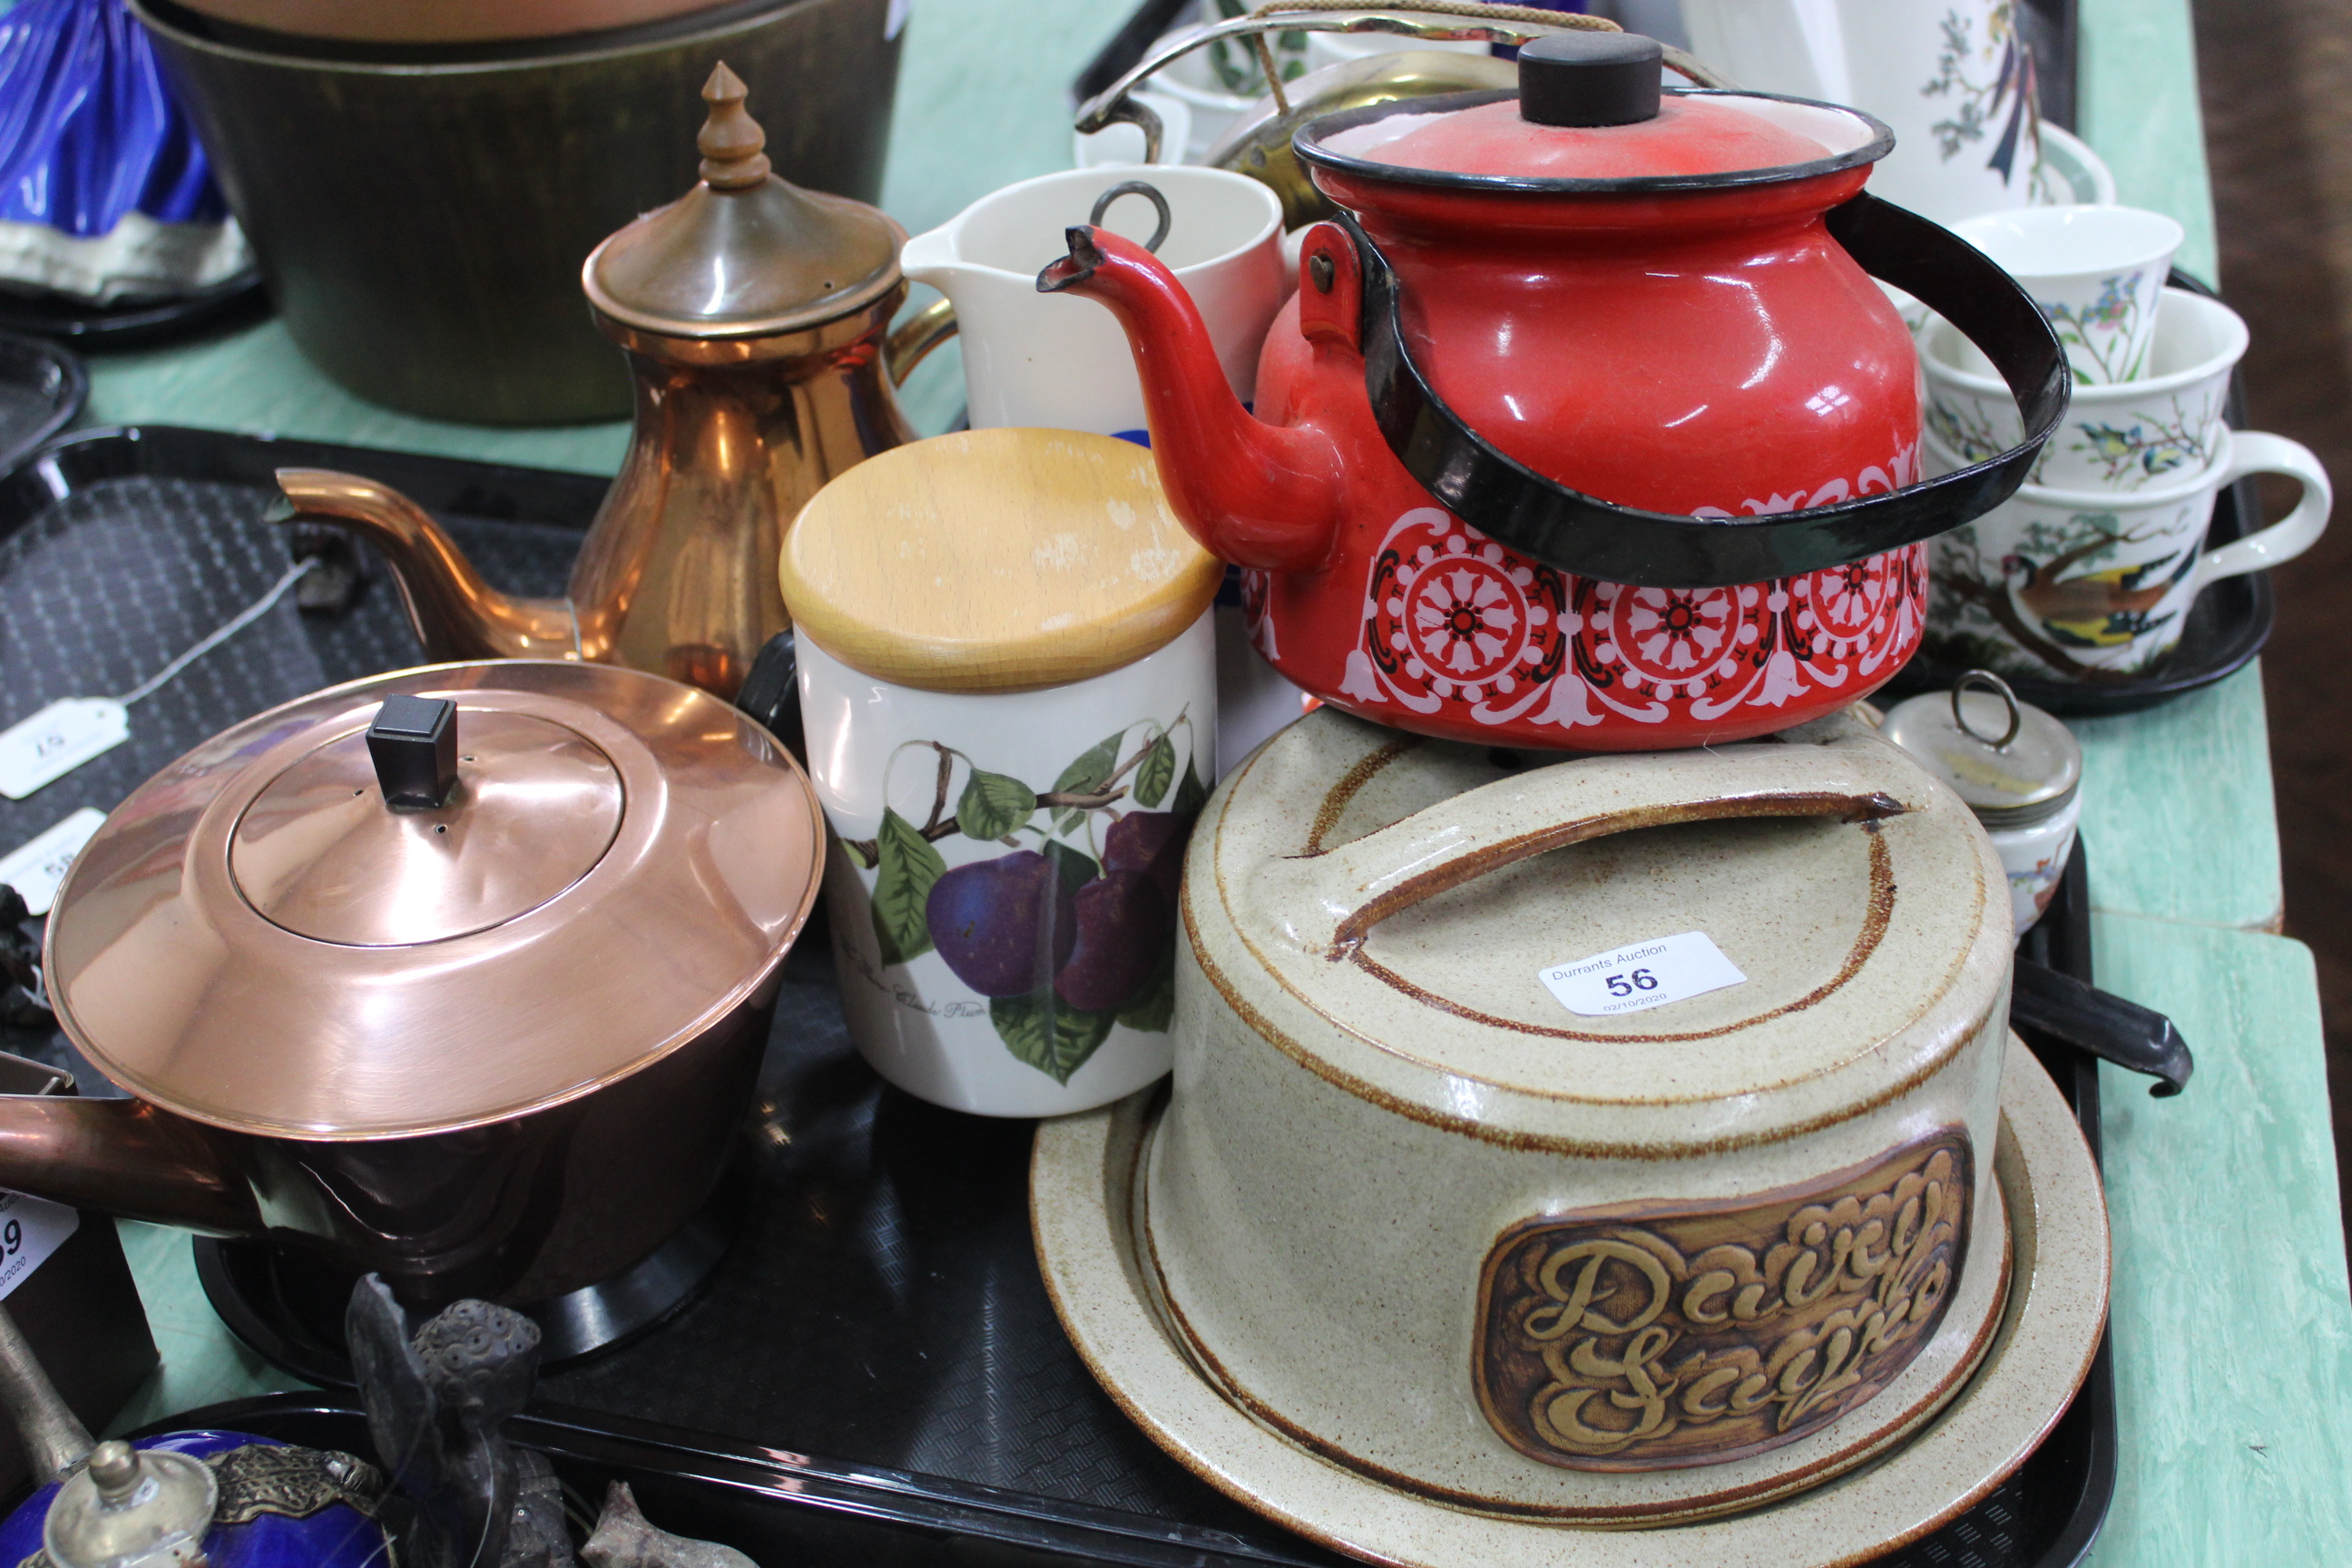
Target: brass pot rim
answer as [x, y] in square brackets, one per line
[395, 70]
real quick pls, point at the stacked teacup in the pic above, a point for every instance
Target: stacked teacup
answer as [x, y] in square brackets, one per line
[2088, 572]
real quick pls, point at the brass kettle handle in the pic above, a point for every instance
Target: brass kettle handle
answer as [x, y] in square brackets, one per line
[1437, 19]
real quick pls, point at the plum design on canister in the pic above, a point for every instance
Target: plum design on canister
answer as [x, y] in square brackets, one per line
[1071, 930]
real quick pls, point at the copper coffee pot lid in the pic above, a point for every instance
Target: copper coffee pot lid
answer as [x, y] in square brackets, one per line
[744, 253]
[433, 899]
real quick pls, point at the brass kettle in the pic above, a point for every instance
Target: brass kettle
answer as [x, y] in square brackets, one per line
[756, 318]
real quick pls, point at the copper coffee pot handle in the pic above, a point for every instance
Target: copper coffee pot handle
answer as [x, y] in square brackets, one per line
[912, 340]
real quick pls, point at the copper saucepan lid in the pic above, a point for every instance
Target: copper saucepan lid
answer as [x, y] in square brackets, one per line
[435, 899]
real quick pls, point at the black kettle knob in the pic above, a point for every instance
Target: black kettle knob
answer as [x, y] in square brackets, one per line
[413, 744]
[1589, 79]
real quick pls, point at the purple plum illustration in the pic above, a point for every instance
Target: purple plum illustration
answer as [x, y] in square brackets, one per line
[1123, 920]
[1151, 842]
[1004, 925]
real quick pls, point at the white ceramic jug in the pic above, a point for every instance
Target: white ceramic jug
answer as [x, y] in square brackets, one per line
[1952, 77]
[1037, 359]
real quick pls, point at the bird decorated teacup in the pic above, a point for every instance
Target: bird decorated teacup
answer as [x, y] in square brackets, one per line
[2143, 435]
[2096, 272]
[2096, 585]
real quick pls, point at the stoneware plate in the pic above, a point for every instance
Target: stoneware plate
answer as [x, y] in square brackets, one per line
[1081, 1205]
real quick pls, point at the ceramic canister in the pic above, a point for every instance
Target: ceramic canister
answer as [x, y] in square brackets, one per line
[1008, 681]
[2019, 768]
[1951, 78]
[1608, 1141]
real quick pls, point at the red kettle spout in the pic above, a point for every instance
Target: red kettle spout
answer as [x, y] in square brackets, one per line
[1259, 495]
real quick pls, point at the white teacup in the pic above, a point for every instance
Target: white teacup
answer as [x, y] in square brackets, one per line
[2096, 272]
[2131, 436]
[1061, 363]
[2096, 585]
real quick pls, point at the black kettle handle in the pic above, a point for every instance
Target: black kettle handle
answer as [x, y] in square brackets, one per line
[1589, 537]
[2050, 1003]
[771, 693]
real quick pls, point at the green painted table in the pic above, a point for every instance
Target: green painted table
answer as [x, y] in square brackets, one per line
[2233, 1323]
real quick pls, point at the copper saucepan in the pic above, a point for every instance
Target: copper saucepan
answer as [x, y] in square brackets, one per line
[460, 974]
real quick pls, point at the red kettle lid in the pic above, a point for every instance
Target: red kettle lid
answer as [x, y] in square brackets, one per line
[1590, 115]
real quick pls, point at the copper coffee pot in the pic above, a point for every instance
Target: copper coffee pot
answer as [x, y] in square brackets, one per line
[756, 318]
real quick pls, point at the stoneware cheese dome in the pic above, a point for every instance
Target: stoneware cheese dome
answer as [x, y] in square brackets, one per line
[461, 976]
[1607, 1142]
[1586, 428]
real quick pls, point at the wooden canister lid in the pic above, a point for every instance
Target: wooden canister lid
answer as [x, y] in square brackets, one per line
[995, 561]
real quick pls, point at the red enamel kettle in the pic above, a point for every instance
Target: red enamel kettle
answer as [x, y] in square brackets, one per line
[1588, 289]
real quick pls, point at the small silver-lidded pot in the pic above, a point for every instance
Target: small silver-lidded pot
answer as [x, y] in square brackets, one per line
[130, 1509]
[2019, 769]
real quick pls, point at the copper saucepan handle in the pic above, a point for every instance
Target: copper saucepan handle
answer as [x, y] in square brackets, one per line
[1332, 901]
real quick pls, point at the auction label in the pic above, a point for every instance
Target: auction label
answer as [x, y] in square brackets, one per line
[1642, 974]
[36, 868]
[30, 1230]
[57, 739]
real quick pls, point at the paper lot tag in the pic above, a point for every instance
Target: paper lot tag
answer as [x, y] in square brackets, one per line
[1642, 974]
[30, 1230]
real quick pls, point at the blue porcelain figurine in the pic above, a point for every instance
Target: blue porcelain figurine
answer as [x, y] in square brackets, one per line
[219, 1499]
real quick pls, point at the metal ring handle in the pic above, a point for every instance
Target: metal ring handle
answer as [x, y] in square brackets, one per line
[1986, 681]
[1147, 191]
[1111, 105]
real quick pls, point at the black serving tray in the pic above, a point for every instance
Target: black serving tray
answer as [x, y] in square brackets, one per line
[234, 301]
[881, 1305]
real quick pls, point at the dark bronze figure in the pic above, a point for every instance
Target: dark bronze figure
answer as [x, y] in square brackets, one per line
[435, 1404]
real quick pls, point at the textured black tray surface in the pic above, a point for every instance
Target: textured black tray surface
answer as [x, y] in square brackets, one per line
[882, 1306]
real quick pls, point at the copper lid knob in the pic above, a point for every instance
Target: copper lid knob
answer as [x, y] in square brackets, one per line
[731, 139]
[745, 253]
